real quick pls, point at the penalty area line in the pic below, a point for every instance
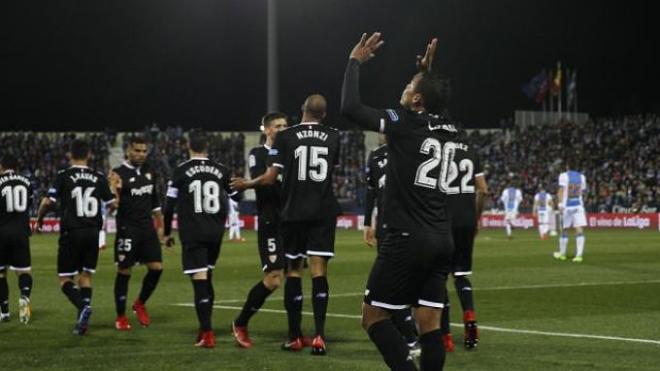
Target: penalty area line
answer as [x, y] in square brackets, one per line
[488, 328]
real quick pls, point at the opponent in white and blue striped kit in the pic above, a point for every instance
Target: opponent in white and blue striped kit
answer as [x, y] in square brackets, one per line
[572, 185]
[543, 210]
[511, 198]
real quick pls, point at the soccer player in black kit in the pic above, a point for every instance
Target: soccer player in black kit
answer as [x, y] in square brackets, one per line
[80, 193]
[137, 241]
[306, 155]
[270, 246]
[199, 191]
[467, 190]
[415, 255]
[376, 180]
[15, 200]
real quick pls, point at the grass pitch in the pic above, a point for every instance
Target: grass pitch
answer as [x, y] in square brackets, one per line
[536, 313]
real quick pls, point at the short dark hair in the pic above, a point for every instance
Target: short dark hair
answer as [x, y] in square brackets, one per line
[272, 116]
[79, 149]
[435, 91]
[197, 140]
[9, 162]
[136, 139]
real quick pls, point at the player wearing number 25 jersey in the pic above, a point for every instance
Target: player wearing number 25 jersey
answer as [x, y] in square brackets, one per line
[199, 191]
[80, 193]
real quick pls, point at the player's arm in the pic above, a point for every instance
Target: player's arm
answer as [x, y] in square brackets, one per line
[46, 205]
[168, 210]
[351, 104]
[265, 179]
[535, 207]
[115, 179]
[157, 212]
[109, 192]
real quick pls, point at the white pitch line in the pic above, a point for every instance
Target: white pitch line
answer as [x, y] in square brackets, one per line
[494, 288]
[489, 328]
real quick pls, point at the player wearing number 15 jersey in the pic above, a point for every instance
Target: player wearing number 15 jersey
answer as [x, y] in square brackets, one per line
[306, 155]
[198, 191]
[15, 201]
[415, 255]
[80, 193]
[572, 185]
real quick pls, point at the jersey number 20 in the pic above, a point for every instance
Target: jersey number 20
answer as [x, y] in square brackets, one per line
[443, 157]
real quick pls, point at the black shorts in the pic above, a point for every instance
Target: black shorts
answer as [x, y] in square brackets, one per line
[411, 270]
[463, 244]
[136, 246]
[199, 256]
[309, 238]
[14, 251]
[78, 251]
[271, 250]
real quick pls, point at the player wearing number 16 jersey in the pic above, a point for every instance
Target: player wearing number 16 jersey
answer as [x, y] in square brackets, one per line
[198, 190]
[415, 255]
[306, 155]
[80, 192]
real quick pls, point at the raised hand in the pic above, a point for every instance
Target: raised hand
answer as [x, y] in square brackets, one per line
[424, 62]
[365, 48]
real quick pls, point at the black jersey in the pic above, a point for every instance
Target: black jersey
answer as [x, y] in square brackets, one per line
[375, 174]
[268, 197]
[199, 188]
[418, 147]
[307, 154]
[15, 201]
[464, 167]
[139, 196]
[81, 193]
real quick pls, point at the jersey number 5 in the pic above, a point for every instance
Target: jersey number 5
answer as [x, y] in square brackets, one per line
[318, 166]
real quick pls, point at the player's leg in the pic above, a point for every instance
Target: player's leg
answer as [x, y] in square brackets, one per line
[149, 252]
[430, 338]
[405, 323]
[124, 259]
[580, 221]
[195, 264]
[21, 264]
[68, 267]
[4, 293]
[447, 339]
[390, 287]
[566, 222]
[293, 302]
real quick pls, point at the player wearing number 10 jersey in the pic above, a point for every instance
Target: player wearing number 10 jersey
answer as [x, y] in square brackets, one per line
[80, 192]
[415, 255]
[306, 155]
[15, 200]
[198, 190]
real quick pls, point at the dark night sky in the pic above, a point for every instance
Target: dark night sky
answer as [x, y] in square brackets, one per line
[88, 64]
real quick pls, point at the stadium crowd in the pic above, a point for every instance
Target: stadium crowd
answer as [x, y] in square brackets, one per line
[618, 157]
[41, 155]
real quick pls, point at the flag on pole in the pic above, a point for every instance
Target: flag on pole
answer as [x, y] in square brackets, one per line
[532, 88]
[571, 89]
[556, 82]
[543, 89]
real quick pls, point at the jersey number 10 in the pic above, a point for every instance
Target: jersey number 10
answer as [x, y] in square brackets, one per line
[16, 198]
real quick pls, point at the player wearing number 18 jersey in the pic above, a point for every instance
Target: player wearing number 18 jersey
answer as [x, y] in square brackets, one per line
[415, 255]
[306, 155]
[198, 190]
[15, 201]
[80, 192]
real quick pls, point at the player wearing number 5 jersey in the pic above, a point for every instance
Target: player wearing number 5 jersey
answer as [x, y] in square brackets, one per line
[15, 201]
[572, 185]
[306, 155]
[198, 191]
[80, 193]
[415, 255]
[271, 250]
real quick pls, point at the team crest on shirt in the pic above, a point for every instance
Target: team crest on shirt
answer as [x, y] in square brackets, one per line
[121, 257]
[131, 180]
[272, 258]
[148, 175]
